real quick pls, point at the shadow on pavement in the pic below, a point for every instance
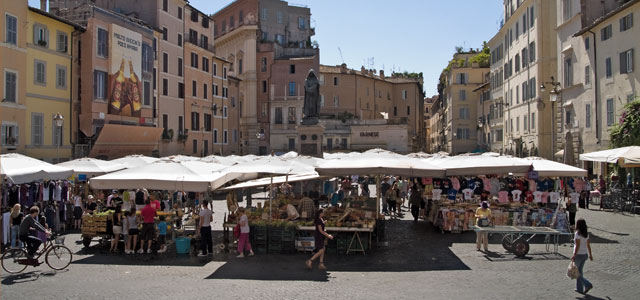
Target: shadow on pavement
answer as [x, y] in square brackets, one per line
[28, 276]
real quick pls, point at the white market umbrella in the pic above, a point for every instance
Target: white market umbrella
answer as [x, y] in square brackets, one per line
[379, 165]
[472, 165]
[20, 169]
[132, 161]
[166, 174]
[91, 166]
[267, 181]
[626, 156]
[549, 168]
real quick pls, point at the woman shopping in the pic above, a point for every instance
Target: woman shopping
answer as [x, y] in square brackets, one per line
[243, 241]
[319, 236]
[582, 251]
[117, 228]
[483, 219]
[16, 219]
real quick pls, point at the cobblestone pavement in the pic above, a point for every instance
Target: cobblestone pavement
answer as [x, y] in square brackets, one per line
[414, 261]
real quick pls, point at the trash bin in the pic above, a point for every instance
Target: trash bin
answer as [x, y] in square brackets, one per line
[183, 245]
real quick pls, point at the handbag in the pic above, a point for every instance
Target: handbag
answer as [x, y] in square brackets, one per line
[236, 231]
[572, 271]
[483, 222]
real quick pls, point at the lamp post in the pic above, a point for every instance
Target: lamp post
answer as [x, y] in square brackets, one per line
[553, 97]
[59, 119]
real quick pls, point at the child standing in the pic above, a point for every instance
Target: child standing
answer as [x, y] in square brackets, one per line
[162, 234]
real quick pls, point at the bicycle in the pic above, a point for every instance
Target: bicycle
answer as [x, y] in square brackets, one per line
[57, 256]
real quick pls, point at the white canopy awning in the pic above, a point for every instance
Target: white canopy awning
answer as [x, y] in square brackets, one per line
[91, 166]
[23, 169]
[276, 180]
[132, 161]
[548, 168]
[379, 164]
[471, 165]
[626, 156]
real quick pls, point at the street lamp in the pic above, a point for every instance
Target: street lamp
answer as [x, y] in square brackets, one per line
[553, 97]
[59, 119]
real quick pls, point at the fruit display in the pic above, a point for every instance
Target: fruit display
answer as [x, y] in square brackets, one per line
[94, 224]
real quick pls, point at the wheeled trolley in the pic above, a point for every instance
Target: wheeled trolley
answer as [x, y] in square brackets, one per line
[515, 239]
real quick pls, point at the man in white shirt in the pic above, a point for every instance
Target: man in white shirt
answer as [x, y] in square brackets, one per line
[204, 228]
[292, 213]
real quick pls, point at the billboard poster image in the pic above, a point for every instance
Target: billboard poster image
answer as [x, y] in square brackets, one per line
[124, 74]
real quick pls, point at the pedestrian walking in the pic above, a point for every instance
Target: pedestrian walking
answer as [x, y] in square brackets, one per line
[582, 251]
[319, 241]
[16, 219]
[243, 240]
[204, 228]
[415, 201]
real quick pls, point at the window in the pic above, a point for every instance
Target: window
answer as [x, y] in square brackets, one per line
[292, 115]
[195, 146]
[224, 73]
[610, 112]
[532, 17]
[264, 14]
[566, 10]
[204, 41]
[408, 110]
[10, 134]
[626, 62]
[180, 90]
[165, 86]
[165, 33]
[214, 89]
[525, 123]
[240, 18]
[103, 38]
[11, 33]
[205, 64]
[265, 36]
[194, 15]
[100, 85]
[568, 72]
[462, 134]
[225, 135]
[195, 121]
[165, 62]
[10, 86]
[61, 77]
[215, 135]
[607, 63]
[215, 69]
[517, 63]
[63, 42]
[292, 88]
[179, 12]
[181, 125]
[404, 94]
[587, 75]
[232, 22]
[322, 101]
[193, 36]
[626, 22]
[279, 17]
[278, 118]
[462, 78]
[58, 133]
[263, 64]
[205, 92]
[606, 32]
[165, 5]
[225, 92]
[207, 122]
[147, 58]
[180, 67]
[532, 52]
[533, 87]
[235, 135]
[40, 35]
[336, 101]
[146, 90]
[518, 124]
[233, 101]
[264, 86]
[335, 80]
[292, 69]
[194, 88]
[179, 40]
[265, 109]
[533, 121]
[239, 66]
[292, 144]
[587, 43]
[37, 128]
[464, 113]
[517, 30]
[280, 39]
[525, 59]
[463, 95]
[194, 60]
[395, 110]
[498, 135]
[205, 22]
[524, 92]
[301, 23]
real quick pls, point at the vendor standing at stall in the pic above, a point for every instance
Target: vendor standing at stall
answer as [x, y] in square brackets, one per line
[483, 219]
[292, 213]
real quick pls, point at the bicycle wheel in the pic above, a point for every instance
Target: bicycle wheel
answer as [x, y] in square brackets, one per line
[14, 260]
[58, 257]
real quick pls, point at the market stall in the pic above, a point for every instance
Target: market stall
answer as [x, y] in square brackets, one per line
[132, 161]
[91, 166]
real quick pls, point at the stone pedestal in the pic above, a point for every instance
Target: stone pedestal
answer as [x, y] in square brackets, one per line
[309, 141]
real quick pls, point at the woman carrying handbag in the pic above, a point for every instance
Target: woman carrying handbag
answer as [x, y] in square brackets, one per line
[582, 251]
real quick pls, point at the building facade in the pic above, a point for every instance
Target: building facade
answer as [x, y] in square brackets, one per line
[523, 56]
[49, 86]
[13, 54]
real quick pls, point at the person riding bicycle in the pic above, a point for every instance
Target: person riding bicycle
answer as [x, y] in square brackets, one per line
[27, 236]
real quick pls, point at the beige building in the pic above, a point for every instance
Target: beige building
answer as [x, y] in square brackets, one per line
[13, 75]
[460, 103]
[523, 56]
[437, 137]
[597, 41]
[484, 138]
[428, 104]
[364, 95]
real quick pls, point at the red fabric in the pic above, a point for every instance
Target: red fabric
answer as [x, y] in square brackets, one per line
[155, 204]
[148, 214]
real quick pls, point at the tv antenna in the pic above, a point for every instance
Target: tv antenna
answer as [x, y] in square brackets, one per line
[340, 51]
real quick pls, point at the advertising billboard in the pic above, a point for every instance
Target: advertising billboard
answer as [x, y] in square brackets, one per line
[125, 97]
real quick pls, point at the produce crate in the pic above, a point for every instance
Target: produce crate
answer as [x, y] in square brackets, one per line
[259, 250]
[305, 244]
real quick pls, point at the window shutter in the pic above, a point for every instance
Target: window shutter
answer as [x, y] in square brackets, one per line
[623, 62]
[3, 136]
[630, 60]
[95, 84]
[17, 134]
[622, 28]
[35, 34]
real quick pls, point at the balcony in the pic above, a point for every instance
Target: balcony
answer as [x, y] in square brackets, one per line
[182, 136]
[167, 135]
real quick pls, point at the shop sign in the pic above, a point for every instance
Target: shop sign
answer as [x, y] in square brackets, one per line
[369, 134]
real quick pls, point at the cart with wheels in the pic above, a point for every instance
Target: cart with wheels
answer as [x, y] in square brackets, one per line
[515, 239]
[96, 225]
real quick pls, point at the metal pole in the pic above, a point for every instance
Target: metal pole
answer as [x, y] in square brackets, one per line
[378, 196]
[271, 198]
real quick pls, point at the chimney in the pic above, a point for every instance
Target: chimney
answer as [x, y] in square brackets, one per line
[382, 74]
[43, 5]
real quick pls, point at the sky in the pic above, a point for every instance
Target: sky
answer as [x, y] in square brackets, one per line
[394, 35]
